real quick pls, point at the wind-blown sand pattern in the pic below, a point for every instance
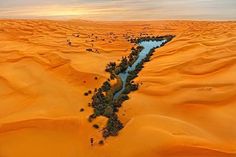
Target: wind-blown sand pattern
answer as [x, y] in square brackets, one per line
[185, 106]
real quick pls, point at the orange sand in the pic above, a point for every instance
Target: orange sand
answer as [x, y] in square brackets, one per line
[185, 107]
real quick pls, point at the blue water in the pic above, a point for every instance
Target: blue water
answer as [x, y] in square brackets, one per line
[147, 46]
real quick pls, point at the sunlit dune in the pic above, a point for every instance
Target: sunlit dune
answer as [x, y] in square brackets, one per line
[185, 105]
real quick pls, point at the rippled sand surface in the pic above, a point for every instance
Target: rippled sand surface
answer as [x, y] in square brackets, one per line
[185, 107]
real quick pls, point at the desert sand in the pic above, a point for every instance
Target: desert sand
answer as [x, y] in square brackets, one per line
[185, 107]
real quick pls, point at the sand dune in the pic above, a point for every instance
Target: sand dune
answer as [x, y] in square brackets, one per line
[185, 106]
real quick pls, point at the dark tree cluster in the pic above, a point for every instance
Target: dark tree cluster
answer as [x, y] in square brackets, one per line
[122, 66]
[110, 67]
[106, 86]
[152, 38]
[114, 69]
[134, 54]
[104, 106]
[103, 101]
[113, 127]
[129, 87]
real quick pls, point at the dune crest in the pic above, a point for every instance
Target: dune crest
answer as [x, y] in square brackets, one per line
[185, 106]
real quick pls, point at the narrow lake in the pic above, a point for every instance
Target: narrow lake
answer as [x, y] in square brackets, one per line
[147, 46]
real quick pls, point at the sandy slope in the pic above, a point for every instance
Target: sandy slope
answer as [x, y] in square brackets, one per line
[185, 107]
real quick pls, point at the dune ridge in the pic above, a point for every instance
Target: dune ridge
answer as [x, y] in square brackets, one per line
[185, 105]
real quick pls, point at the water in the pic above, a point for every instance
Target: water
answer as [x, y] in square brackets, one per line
[148, 45]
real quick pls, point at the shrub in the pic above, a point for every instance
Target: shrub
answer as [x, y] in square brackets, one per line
[96, 126]
[101, 142]
[91, 117]
[89, 49]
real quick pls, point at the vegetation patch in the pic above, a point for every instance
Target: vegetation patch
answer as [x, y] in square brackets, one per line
[103, 101]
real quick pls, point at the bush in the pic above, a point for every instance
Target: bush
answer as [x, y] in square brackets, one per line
[101, 142]
[91, 117]
[96, 126]
[90, 50]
